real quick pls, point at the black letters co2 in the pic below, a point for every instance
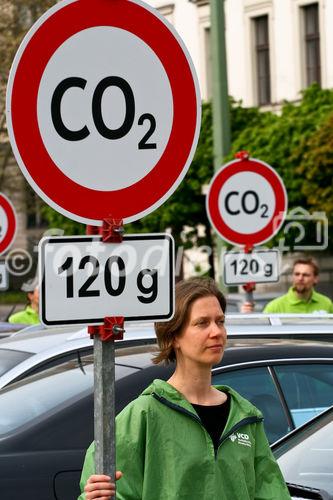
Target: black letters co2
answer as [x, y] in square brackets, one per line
[249, 203]
[96, 107]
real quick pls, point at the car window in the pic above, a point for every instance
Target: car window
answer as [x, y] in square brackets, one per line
[10, 358]
[256, 385]
[308, 389]
[47, 390]
[307, 458]
[58, 360]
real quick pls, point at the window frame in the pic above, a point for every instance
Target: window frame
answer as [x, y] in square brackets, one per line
[307, 39]
[298, 26]
[262, 54]
[252, 10]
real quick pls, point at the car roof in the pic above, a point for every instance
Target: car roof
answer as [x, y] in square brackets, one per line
[49, 343]
[240, 351]
[262, 341]
[254, 350]
[38, 340]
[280, 325]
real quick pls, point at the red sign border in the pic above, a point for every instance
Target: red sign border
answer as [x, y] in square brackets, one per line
[11, 221]
[235, 167]
[71, 199]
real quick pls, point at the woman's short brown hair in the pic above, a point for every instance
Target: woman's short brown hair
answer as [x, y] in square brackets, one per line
[186, 293]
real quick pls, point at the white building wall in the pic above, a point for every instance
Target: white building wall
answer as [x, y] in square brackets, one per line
[239, 79]
[284, 59]
[183, 15]
[191, 18]
[327, 49]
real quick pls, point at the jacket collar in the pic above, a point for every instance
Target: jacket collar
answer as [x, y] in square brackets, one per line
[239, 407]
[294, 299]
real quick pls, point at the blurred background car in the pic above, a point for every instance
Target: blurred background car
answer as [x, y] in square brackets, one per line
[46, 419]
[36, 347]
[7, 329]
[305, 457]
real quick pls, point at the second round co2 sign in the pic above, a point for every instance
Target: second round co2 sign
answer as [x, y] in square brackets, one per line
[108, 120]
[246, 202]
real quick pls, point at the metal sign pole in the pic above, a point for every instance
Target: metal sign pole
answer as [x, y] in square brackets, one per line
[249, 287]
[104, 407]
[104, 370]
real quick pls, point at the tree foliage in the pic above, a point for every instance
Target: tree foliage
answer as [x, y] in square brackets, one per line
[291, 142]
[16, 17]
[286, 140]
[316, 170]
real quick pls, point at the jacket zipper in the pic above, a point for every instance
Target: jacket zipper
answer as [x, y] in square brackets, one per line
[245, 421]
[177, 408]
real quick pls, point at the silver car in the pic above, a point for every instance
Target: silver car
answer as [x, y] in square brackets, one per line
[36, 347]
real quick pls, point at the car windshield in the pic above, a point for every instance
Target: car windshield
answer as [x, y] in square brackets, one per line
[34, 396]
[306, 458]
[10, 358]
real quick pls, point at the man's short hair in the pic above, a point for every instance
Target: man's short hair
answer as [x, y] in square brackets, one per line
[309, 261]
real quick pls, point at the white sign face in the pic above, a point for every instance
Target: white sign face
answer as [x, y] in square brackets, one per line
[246, 202]
[113, 105]
[84, 280]
[261, 266]
[4, 278]
[103, 108]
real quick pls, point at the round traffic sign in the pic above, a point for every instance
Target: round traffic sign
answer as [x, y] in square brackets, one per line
[7, 223]
[107, 121]
[246, 202]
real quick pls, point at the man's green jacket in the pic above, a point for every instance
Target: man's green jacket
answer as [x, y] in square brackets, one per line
[26, 317]
[290, 303]
[165, 453]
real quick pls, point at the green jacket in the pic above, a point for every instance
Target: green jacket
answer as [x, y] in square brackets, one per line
[290, 303]
[27, 317]
[166, 454]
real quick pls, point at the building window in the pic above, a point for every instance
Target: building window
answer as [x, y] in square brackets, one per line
[263, 74]
[312, 44]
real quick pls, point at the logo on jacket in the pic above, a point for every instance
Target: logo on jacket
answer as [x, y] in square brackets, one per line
[241, 439]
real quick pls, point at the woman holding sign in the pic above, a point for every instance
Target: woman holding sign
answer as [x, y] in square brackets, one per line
[184, 438]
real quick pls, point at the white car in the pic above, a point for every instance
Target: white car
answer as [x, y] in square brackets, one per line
[37, 348]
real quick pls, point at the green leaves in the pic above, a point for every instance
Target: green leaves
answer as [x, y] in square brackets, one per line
[297, 142]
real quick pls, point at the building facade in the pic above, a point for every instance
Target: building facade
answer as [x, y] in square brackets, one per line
[275, 48]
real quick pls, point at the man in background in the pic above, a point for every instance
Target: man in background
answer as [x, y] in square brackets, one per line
[29, 315]
[301, 297]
